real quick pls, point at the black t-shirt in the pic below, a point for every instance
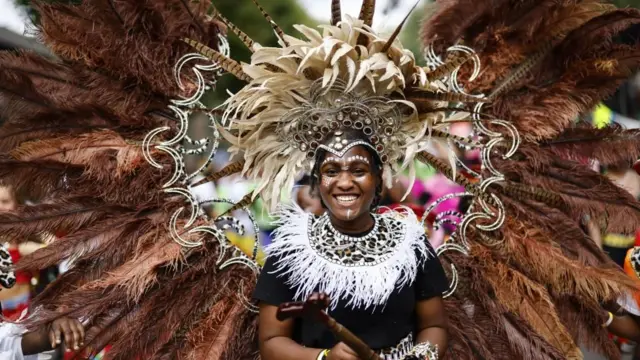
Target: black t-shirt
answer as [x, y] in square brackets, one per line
[379, 327]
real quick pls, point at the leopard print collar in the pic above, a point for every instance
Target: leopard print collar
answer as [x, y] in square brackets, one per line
[363, 271]
[368, 250]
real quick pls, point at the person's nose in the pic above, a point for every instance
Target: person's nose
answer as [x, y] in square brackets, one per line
[345, 181]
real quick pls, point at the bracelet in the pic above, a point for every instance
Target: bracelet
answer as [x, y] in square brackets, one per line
[609, 320]
[424, 351]
[323, 354]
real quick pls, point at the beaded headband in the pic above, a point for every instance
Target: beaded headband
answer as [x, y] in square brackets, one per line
[331, 111]
[340, 145]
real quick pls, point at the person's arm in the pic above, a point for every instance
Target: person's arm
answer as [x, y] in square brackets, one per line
[50, 337]
[432, 324]
[431, 317]
[276, 341]
[275, 338]
[626, 326]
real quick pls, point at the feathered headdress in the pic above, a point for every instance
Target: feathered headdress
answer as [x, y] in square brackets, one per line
[299, 94]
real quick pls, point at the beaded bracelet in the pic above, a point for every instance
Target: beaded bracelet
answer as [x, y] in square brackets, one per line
[609, 320]
[323, 355]
[424, 351]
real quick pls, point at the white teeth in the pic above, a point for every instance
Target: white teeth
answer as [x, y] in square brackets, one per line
[346, 199]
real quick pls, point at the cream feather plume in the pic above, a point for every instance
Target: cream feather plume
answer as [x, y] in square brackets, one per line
[258, 118]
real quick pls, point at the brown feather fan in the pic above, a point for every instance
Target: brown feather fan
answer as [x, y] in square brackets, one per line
[73, 130]
[611, 145]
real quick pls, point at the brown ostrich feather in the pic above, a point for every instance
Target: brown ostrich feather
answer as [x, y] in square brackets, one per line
[218, 330]
[449, 20]
[566, 232]
[140, 59]
[515, 48]
[610, 145]
[530, 300]
[587, 320]
[519, 246]
[598, 32]
[35, 179]
[69, 215]
[577, 91]
[83, 150]
[507, 330]
[60, 100]
[583, 191]
[469, 333]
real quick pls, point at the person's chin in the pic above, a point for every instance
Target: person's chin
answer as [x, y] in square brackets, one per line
[346, 213]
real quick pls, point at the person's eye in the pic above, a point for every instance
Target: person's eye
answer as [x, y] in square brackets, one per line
[331, 172]
[359, 172]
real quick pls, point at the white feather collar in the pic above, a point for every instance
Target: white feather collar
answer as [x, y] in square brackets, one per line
[304, 260]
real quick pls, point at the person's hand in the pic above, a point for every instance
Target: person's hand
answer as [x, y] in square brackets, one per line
[72, 331]
[342, 352]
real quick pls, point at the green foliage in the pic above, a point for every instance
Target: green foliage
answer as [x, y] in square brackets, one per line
[245, 15]
[625, 3]
[410, 36]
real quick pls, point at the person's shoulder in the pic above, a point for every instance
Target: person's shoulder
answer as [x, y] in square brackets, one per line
[404, 220]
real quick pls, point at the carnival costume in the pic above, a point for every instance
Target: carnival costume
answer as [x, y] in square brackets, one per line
[101, 131]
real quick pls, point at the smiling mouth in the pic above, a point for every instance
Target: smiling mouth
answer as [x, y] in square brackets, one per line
[346, 200]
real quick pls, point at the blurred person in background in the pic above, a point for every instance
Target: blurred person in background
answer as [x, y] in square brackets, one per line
[16, 299]
[17, 344]
[617, 245]
[306, 198]
[624, 250]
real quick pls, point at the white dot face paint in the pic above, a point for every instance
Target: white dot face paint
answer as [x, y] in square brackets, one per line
[349, 214]
[326, 181]
[332, 159]
[347, 161]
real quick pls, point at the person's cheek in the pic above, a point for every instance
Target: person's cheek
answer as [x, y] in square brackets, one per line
[326, 181]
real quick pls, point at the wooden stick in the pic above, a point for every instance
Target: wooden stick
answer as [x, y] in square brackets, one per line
[314, 308]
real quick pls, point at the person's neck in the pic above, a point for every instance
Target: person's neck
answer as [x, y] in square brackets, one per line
[358, 225]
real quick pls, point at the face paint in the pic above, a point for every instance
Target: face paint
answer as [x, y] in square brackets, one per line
[345, 162]
[326, 181]
[348, 183]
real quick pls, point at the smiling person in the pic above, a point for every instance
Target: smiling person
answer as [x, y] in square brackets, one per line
[384, 280]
